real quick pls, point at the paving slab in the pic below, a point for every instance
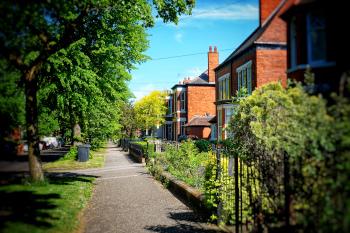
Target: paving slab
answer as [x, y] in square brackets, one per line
[127, 199]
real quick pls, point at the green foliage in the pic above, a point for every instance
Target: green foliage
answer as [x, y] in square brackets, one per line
[72, 154]
[51, 206]
[76, 56]
[150, 110]
[275, 123]
[203, 145]
[128, 120]
[184, 162]
[147, 147]
[11, 100]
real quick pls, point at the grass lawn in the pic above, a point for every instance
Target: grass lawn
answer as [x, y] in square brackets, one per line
[52, 206]
[69, 162]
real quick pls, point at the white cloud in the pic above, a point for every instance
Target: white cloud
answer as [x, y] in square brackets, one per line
[216, 12]
[228, 12]
[178, 37]
[143, 91]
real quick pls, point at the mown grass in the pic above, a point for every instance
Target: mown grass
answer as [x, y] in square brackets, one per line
[51, 206]
[68, 162]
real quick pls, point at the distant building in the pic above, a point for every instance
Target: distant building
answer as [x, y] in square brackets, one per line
[260, 59]
[191, 99]
[199, 126]
[316, 41]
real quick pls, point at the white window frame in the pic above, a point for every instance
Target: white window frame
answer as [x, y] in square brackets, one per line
[224, 87]
[182, 101]
[248, 80]
[228, 119]
[182, 128]
[219, 129]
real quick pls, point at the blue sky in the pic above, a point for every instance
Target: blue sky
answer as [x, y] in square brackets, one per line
[220, 23]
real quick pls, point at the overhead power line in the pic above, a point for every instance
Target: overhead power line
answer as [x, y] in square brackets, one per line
[184, 55]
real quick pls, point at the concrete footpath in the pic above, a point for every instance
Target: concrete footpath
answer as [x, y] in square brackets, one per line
[127, 199]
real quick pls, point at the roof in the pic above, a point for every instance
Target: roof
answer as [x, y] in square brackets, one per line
[200, 121]
[201, 80]
[252, 38]
[213, 120]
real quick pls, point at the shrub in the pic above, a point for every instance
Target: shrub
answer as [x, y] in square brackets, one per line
[72, 154]
[203, 145]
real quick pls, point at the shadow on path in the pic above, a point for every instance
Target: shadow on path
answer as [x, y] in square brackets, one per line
[184, 224]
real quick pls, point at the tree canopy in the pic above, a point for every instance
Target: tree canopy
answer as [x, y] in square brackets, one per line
[297, 144]
[77, 56]
[150, 110]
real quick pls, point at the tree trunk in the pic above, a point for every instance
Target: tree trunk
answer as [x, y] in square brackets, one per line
[31, 86]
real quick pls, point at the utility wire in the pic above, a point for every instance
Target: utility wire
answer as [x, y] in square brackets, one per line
[184, 55]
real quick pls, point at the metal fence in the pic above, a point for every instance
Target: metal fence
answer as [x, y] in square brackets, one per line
[252, 193]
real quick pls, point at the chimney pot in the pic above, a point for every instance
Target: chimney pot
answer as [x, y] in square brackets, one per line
[210, 49]
[215, 49]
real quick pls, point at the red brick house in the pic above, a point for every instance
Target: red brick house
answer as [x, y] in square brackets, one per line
[260, 59]
[315, 41]
[192, 99]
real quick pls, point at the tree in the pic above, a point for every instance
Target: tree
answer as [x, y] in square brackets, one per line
[150, 110]
[34, 31]
[12, 106]
[299, 147]
[128, 120]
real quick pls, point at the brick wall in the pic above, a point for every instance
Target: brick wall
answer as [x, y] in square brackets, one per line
[266, 7]
[271, 66]
[200, 100]
[275, 32]
[213, 62]
[199, 131]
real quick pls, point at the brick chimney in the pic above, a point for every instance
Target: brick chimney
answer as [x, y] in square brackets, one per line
[266, 7]
[213, 62]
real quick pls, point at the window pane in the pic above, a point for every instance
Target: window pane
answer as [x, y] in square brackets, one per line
[244, 82]
[249, 80]
[227, 88]
[293, 43]
[317, 37]
[239, 80]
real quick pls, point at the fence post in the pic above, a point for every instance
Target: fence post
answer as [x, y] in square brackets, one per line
[236, 195]
[218, 178]
[286, 191]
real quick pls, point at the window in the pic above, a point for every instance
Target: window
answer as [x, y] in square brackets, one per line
[293, 43]
[228, 115]
[182, 128]
[244, 76]
[213, 133]
[316, 37]
[219, 124]
[182, 101]
[224, 87]
[169, 131]
[170, 106]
